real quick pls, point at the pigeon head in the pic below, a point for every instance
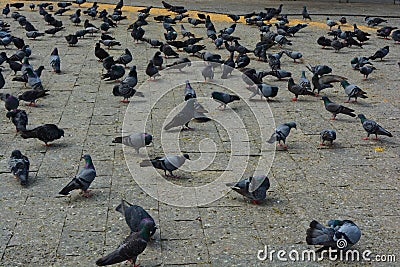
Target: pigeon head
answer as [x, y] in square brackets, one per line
[186, 156]
[344, 83]
[148, 138]
[362, 117]
[326, 99]
[16, 154]
[55, 52]
[291, 124]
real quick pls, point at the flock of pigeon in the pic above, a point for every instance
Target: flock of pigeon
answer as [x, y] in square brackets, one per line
[142, 225]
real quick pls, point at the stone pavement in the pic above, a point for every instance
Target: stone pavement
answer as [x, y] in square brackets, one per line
[356, 179]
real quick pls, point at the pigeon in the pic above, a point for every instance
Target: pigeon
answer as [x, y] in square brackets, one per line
[305, 13]
[228, 66]
[34, 80]
[385, 31]
[208, 72]
[31, 96]
[168, 51]
[114, 73]
[110, 43]
[298, 89]
[195, 22]
[366, 71]
[264, 90]
[325, 81]
[242, 61]
[126, 87]
[304, 82]
[255, 188]
[381, 53]
[54, 30]
[330, 23]
[131, 247]
[158, 60]
[324, 42]
[180, 64]
[45, 133]
[134, 214]
[337, 45]
[55, 62]
[83, 179]
[327, 135]
[186, 115]
[19, 118]
[6, 10]
[374, 21]
[319, 69]
[280, 74]
[137, 33]
[2, 81]
[189, 91]
[358, 62]
[151, 70]
[19, 165]
[34, 34]
[17, 5]
[371, 127]
[169, 163]
[135, 140]
[100, 53]
[353, 91]
[152, 42]
[32, 6]
[336, 109]
[125, 58]
[192, 49]
[72, 39]
[10, 102]
[396, 36]
[339, 235]
[234, 17]
[293, 55]
[223, 98]
[281, 132]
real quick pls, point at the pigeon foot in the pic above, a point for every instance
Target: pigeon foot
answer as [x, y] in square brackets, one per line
[365, 138]
[294, 99]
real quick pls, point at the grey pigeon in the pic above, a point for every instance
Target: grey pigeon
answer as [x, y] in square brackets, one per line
[32, 95]
[134, 214]
[293, 55]
[45, 133]
[189, 91]
[126, 88]
[254, 188]
[114, 73]
[264, 90]
[330, 23]
[298, 89]
[10, 102]
[353, 91]
[208, 72]
[180, 64]
[55, 61]
[125, 58]
[131, 247]
[83, 179]
[305, 13]
[371, 127]
[381, 53]
[135, 140]
[158, 60]
[169, 163]
[366, 71]
[19, 118]
[339, 235]
[304, 82]
[152, 70]
[19, 165]
[223, 98]
[185, 115]
[327, 135]
[281, 133]
[336, 108]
